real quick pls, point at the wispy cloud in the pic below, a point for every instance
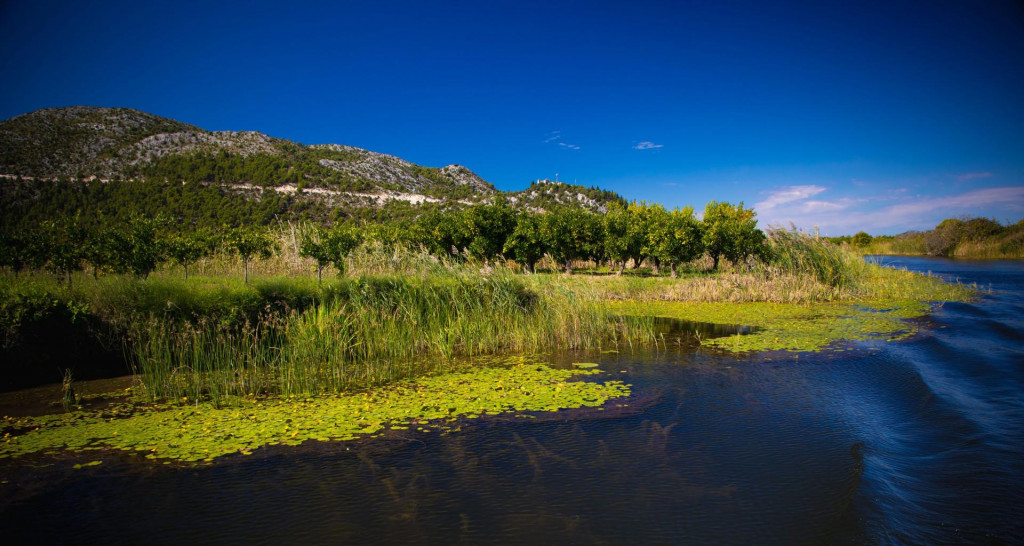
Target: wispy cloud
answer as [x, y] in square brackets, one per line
[788, 194]
[569, 146]
[1012, 197]
[847, 215]
[964, 177]
[670, 184]
[647, 145]
[553, 136]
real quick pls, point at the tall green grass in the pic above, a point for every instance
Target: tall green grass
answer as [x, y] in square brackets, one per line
[372, 330]
[402, 312]
[793, 251]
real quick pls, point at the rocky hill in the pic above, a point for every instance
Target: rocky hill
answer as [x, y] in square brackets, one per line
[109, 163]
[85, 142]
[545, 194]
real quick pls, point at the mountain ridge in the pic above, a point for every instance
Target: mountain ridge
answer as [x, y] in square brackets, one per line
[102, 142]
[86, 142]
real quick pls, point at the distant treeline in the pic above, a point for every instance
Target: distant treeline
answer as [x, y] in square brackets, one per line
[637, 233]
[954, 237]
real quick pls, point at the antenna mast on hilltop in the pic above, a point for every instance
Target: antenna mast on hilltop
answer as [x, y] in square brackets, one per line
[556, 177]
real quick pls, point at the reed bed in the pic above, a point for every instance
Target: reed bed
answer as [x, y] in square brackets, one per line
[402, 312]
[372, 330]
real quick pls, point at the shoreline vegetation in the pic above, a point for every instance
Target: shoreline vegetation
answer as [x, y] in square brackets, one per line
[225, 346]
[966, 237]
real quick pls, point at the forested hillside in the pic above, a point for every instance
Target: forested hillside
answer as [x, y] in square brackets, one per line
[109, 163]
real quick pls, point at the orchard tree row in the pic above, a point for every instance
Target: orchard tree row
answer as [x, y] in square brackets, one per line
[136, 247]
[638, 233]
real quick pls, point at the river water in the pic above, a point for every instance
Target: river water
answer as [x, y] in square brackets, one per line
[913, 442]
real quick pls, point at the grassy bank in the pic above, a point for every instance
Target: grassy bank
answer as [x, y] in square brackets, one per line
[400, 314]
[974, 238]
[216, 337]
[412, 341]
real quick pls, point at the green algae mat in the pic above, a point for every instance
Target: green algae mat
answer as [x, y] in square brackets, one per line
[201, 433]
[787, 326]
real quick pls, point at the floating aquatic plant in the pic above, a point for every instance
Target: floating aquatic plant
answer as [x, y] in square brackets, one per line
[203, 432]
[791, 327]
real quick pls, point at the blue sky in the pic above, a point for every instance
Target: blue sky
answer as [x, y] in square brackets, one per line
[881, 116]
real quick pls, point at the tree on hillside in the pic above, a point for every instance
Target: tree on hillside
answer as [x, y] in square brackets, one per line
[527, 244]
[675, 237]
[731, 231]
[249, 243]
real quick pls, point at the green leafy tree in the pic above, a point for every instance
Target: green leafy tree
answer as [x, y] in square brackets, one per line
[731, 231]
[99, 251]
[141, 247]
[63, 245]
[943, 239]
[445, 232]
[389, 234]
[643, 218]
[622, 235]
[675, 237]
[250, 243]
[20, 250]
[572, 234]
[977, 229]
[492, 224]
[861, 239]
[329, 247]
[527, 243]
[185, 249]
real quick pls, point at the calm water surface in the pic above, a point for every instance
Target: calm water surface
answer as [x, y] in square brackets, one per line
[913, 442]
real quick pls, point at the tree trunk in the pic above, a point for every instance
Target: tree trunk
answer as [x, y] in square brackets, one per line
[319, 274]
[622, 267]
[714, 266]
[675, 275]
[568, 267]
[657, 267]
[245, 266]
[186, 271]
